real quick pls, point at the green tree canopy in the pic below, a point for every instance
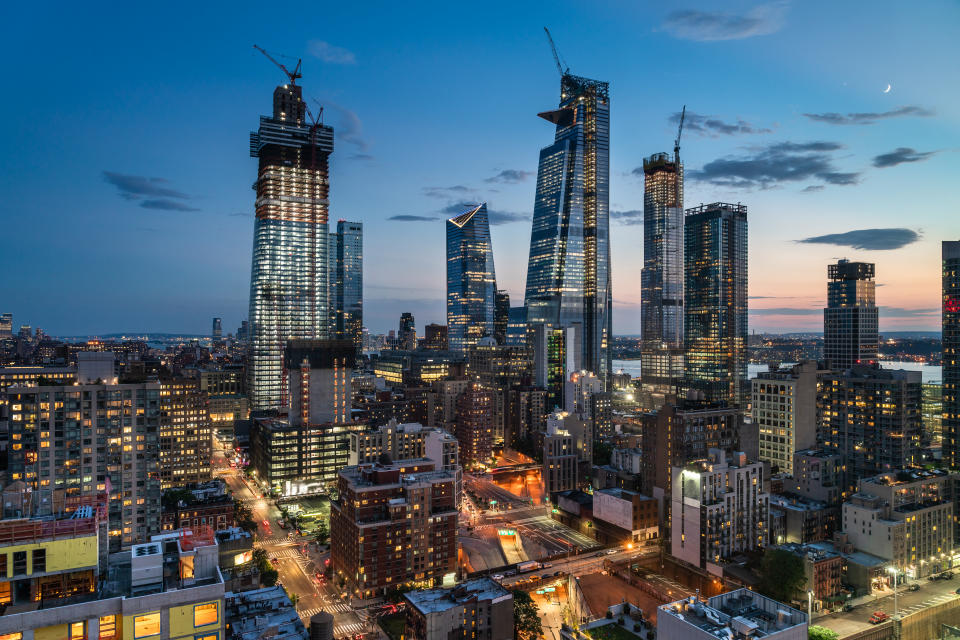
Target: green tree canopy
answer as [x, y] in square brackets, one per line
[526, 617]
[781, 575]
[816, 632]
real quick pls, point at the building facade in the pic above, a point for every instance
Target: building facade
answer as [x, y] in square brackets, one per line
[736, 614]
[471, 279]
[850, 319]
[951, 353]
[715, 304]
[186, 434]
[478, 608]
[784, 408]
[474, 423]
[345, 255]
[288, 280]
[319, 374]
[568, 273]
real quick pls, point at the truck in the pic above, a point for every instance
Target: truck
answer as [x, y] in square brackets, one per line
[525, 567]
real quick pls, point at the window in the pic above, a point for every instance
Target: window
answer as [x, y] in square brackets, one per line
[19, 563]
[209, 636]
[39, 560]
[108, 627]
[3, 565]
[16, 635]
[204, 614]
[77, 631]
[146, 625]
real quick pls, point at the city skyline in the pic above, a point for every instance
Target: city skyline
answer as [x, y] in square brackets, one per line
[179, 229]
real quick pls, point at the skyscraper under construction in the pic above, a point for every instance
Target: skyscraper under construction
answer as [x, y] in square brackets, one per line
[288, 279]
[568, 273]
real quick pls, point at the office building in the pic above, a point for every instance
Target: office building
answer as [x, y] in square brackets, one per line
[784, 408]
[471, 279]
[501, 315]
[82, 441]
[499, 368]
[435, 337]
[568, 272]
[715, 304]
[216, 333]
[871, 416]
[661, 279]
[186, 435]
[394, 525]
[850, 319]
[556, 355]
[288, 281]
[6, 325]
[736, 614]
[226, 398]
[951, 353]
[478, 608]
[932, 414]
[418, 368]
[407, 335]
[474, 424]
[516, 327]
[526, 414]
[345, 253]
[719, 509]
[320, 380]
[560, 459]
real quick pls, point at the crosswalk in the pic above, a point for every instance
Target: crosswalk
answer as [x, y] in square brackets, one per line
[275, 540]
[904, 611]
[336, 607]
[347, 629]
[289, 552]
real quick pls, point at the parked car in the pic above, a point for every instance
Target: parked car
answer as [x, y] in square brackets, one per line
[913, 587]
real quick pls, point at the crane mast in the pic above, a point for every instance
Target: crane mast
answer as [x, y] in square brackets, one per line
[291, 75]
[561, 66]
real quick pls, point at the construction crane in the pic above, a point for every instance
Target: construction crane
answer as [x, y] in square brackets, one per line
[561, 66]
[676, 143]
[291, 75]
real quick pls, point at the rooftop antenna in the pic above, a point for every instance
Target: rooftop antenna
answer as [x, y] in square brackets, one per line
[561, 64]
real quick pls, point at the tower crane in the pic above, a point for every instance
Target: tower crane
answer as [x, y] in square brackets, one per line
[561, 64]
[292, 75]
[676, 143]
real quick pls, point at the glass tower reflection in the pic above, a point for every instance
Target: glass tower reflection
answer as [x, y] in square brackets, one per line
[471, 279]
[346, 282]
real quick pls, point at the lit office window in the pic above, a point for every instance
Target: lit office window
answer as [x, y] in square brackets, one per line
[146, 625]
[204, 614]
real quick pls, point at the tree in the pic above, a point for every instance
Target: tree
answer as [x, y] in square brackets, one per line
[243, 516]
[268, 575]
[322, 534]
[816, 632]
[526, 617]
[781, 575]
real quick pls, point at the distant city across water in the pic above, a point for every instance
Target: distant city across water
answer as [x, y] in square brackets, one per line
[931, 373]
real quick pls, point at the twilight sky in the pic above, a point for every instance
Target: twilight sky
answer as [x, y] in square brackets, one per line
[126, 175]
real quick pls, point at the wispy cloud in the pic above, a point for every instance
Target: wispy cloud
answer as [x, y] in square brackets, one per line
[709, 26]
[630, 217]
[812, 188]
[900, 155]
[347, 126]
[869, 118]
[412, 218]
[331, 53]
[867, 239]
[149, 192]
[786, 311]
[902, 312]
[447, 192]
[713, 126]
[775, 164]
[510, 176]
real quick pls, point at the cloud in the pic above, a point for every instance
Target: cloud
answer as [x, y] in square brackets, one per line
[787, 311]
[510, 176]
[446, 192]
[631, 217]
[347, 126]
[412, 218]
[710, 125]
[495, 216]
[774, 164]
[869, 118]
[909, 313]
[166, 205]
[900, 155]
[366, 157]
[331, 53]
[867, 239]
[710, 26]
[813, 187]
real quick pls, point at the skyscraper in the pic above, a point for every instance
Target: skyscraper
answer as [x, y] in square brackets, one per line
[216, 332]
[346, 282]
[407, 335]
[661, 279]
[568, 273]
[471, 279]
[850, 330]
[951, 352]
[715, 308]
[501, 315]
[288, 280]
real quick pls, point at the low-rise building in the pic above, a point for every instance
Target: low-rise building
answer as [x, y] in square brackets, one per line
[478, 608]
[823, 569]
[804, 520]
[819, 475]
[736, 614]
[634, 514]
[263, 613]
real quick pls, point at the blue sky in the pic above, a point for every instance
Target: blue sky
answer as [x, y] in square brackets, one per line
[126, 175]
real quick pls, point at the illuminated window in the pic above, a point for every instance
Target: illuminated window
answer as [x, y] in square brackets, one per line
[16, 635]
[204, 614]
[146, 625]
[108, 627]
[211, 636]
[77, 631]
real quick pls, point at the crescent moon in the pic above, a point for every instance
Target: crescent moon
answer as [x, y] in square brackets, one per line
[887, 90]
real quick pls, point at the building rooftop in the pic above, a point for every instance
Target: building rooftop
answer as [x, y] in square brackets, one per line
[796, 503]
[263, 613]
[740, 613]
[436, 600]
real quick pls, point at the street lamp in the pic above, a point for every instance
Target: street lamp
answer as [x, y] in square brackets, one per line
[893, 572]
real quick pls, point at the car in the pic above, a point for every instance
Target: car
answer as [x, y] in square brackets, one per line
[610, 552]
[878, 617]
[913, 587]
[266, 523]
[497, 576]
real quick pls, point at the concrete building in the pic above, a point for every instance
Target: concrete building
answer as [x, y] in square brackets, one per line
[319, 373]
[804, 520]
[394, 525]
[736, 614]
[784, 409]
[819, 475]
[527, 414]
[499, 368]
[186, 436]
[226, 398]
[950, 253]
[263, 613]
[634, 513]
[560, 459]
[719, 508]
[475, 424]
[478, 608]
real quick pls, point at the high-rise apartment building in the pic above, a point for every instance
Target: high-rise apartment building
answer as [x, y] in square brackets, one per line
[474, 423]
[471, 279]
[568, 273]
[435, 337]
[288, 279]
[320, 380]
[715, 305]
[784, 408]
[850, 319]
[951, 353]
[216, 332]
[872, 417]
[345, 254]
[501, 315]
[661, 279]
[6, 325]
[186, 434]
[407, 335]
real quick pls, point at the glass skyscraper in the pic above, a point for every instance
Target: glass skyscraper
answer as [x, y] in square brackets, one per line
[346, 282]
[288, 277]
[951, 352]
[568, 273]
[850, 319]
[661, 279]
[471, 279]
[715, 308]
